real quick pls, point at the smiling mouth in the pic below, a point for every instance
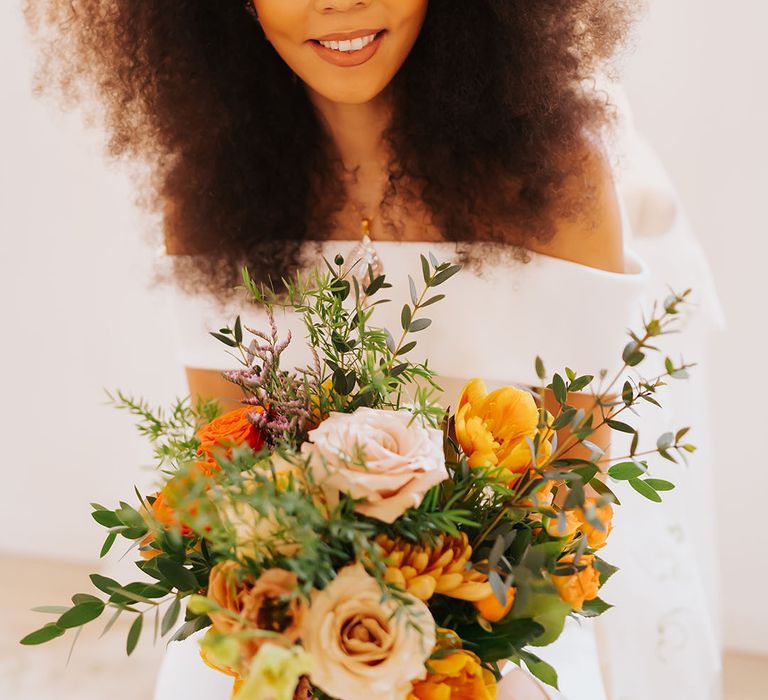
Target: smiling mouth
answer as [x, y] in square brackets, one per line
[349, 46]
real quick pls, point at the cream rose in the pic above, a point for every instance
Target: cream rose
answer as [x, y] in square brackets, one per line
[359, 648]
[383, 457]
[253, 531]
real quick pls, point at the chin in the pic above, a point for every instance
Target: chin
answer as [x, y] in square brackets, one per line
[349, 92]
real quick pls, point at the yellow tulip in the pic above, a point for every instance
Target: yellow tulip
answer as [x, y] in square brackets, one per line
[455, 676]
[492, 428]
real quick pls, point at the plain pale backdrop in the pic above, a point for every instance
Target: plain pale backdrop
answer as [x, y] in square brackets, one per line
[78, 315]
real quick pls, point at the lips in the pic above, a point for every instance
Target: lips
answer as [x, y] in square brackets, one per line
[348, 49]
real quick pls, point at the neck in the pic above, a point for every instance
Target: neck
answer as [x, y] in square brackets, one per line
[357, 130]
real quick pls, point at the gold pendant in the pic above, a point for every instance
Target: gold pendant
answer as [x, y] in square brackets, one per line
[364, 259]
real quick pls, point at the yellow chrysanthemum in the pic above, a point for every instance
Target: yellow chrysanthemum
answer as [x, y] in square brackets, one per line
[492, 428]
[424, 571]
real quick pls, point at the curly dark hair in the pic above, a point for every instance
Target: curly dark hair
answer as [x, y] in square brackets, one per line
[236, 152]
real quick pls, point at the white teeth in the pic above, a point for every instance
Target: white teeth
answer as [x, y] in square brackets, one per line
[349, 46]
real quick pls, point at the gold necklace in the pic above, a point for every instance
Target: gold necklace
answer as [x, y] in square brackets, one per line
[364, 261]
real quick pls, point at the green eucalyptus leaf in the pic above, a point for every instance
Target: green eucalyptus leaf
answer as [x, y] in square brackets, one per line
[623, 471]
[190, 627]
[660, 484]
[603, 489]
[445, 275]
[170, 616]
[581, 383]
[558, 389]
[425, 269]
[412, 289]
[108, 542]
[433, 300]
[564, 418]
[419, 325]
[645, 490]
[81, 614]
[51, 609]
[621, 427]
[133, 634]
[405, 317]
[85, 598]
[44, 634]
[177, 575]
[229, 342]
[104, 584]
[107, 518]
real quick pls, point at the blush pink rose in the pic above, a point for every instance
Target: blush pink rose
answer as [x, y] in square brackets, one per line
[386, 458]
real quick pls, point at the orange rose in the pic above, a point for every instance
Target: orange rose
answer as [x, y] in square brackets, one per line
[165, 508]
[603, 514]
[229, 430]
[578, 587]
[492, 610]
[264, 604]
[555, 527]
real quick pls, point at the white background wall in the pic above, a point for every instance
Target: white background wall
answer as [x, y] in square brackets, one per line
[77, 314]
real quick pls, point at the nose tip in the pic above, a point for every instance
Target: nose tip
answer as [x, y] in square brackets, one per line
[340, 5]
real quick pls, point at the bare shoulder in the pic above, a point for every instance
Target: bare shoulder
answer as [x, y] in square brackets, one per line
[171, 236]
[594, 237]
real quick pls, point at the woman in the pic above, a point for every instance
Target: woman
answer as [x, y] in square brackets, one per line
[278, 130]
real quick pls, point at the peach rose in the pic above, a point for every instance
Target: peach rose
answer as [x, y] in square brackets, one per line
[265, 603]
[229, 430]
[580, 586]
[359, 647]
[383, 457]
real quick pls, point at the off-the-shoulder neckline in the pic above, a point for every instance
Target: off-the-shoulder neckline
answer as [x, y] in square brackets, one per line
[639, 269]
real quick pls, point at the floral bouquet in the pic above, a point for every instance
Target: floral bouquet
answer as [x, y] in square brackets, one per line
[341, 535]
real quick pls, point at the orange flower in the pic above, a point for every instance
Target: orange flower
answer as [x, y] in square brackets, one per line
[265, 603]
[555, 527]
[229, 430]
[165, 515]
[165, 508]
[578, 587]
[492, 428]
[492, 610]
[455, 676]
[604, 514]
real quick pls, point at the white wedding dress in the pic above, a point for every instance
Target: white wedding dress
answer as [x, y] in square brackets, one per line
[661, 640]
